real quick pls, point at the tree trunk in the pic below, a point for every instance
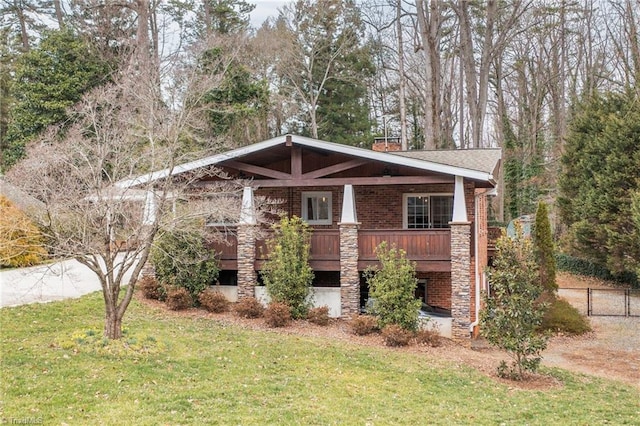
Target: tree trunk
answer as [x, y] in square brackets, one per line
[401, 80]
[112, 323]
[429, 90]
[59, 14]
[24, 35]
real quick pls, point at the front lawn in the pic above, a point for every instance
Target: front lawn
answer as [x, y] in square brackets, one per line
[199, 371]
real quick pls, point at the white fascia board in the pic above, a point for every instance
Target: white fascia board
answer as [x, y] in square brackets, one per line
[311, 143]
[204, 162]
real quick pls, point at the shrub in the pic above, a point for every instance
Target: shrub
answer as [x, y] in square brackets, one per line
[513, 310]
[178, 298]
[319, 316]
[394, 335]
[428, 337]
[392, 287]
[181, 259]
[544, 251]
[21, 242]
[277, 314]
[213, 301]
[584, 267]
[151, 288]
[562, 317]
[364, 324]
[286, 273]
[249, 307]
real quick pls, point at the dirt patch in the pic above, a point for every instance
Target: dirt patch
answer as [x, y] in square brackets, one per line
[611, 351]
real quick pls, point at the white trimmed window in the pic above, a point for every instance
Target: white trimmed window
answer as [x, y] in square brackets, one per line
[316, 207]
[427, 211]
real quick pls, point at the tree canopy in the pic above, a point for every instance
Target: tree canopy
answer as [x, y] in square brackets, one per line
[600, 177]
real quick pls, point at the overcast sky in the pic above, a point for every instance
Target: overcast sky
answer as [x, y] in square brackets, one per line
[264, 9]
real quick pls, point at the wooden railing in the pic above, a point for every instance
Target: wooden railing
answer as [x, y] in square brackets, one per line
[431, 244]
[421, 245]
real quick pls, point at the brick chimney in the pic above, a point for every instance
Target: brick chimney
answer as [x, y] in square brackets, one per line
[387, 144]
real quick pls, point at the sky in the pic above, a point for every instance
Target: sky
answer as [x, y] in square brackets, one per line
[265, 9]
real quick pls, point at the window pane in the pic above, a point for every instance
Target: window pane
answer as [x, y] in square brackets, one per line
[323, 208]
[417, 212]
[441, 211]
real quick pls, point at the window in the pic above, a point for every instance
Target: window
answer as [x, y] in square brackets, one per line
[316, 208]
[427, 210]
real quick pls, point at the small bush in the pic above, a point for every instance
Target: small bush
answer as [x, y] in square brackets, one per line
[151, 288]
[277, 314]
[364, 324]
[319, 316]
[249, 307]
[394, 335]
[213, 301]
[429, 337]
[21, 242]
[562, 317]
[178, 298]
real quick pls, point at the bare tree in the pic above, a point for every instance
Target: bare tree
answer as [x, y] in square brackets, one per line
[97, 210]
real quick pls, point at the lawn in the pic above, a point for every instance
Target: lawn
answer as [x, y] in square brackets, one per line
[185, 370]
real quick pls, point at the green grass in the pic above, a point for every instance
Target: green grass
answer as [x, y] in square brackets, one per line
[202, 372]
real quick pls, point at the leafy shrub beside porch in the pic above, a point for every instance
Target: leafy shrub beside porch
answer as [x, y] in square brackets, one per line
[287, 274]
[181, 259]
[392, 289]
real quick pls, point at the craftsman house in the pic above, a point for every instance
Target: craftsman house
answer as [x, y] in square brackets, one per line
[432, 204]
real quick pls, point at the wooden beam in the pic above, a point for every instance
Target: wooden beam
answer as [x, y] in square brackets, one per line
[335, 168]
[296, 161]
[390, 180]
[250, 168]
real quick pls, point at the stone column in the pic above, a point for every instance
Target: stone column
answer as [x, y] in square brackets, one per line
[349, 276]
[461, 280]
[247, 277]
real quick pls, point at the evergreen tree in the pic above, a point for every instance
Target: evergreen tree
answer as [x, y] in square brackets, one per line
[601, 165]
[543, 247]
[49, 79]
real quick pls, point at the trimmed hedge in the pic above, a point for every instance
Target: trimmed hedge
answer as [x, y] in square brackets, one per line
[579, 266]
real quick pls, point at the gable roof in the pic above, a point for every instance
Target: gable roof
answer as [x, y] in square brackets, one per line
[472, 164]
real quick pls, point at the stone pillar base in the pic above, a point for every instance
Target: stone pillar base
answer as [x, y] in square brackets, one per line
[349, 276]
[461, 280]
[247, 277]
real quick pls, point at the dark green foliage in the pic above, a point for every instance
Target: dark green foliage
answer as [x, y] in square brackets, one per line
[319, 315]
[151, 288]
[181, 259]
[213, 301]
[49, 79]
[512, 311]
[223, 16]
[249, 307]
[392, 289]
[394, 335]
[277, 315]
[544, 251]
[600, 169]
[286, 273]
[562, 317]
[363, 325]
[584, 267]
[178, 298]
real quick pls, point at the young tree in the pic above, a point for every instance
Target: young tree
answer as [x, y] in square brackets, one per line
[98, 210]
[287, 274]
[512, 311]
[543, 248]
[392, 288]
